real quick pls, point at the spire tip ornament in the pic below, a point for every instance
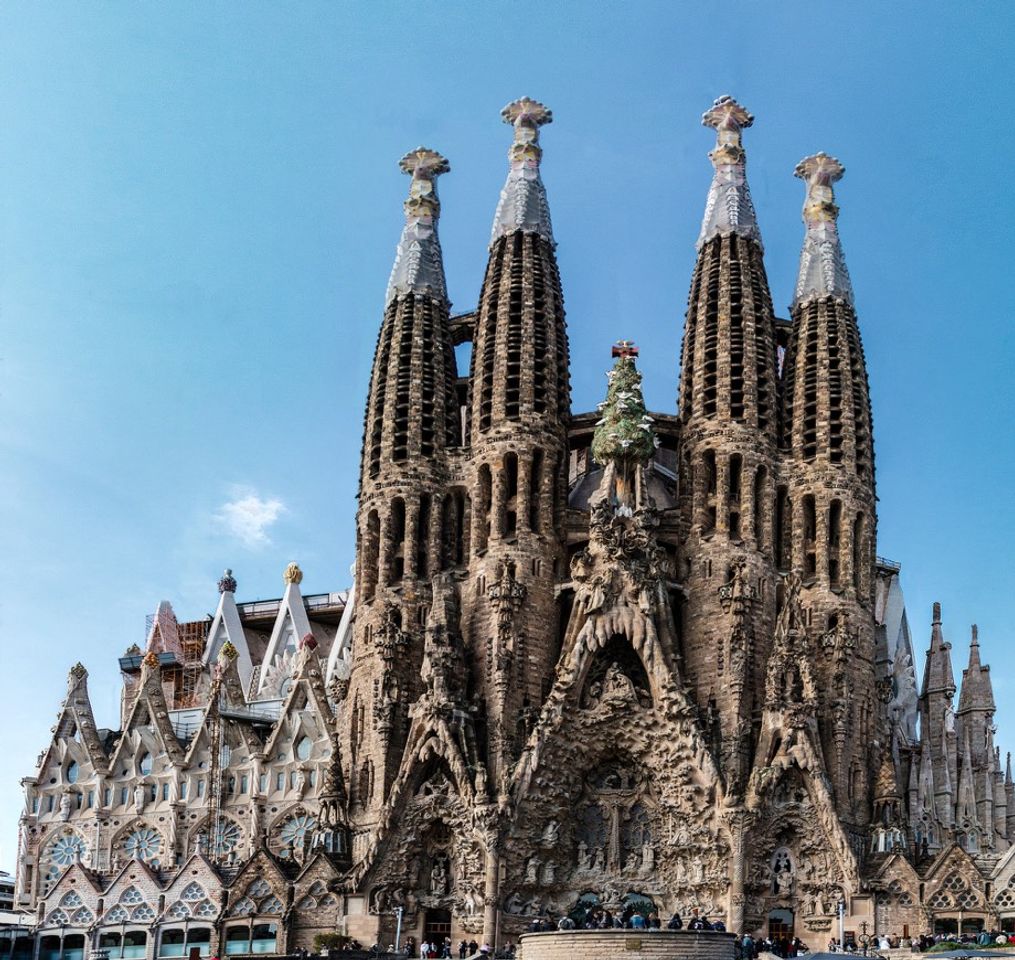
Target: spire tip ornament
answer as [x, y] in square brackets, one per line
[523, 204]
[823, 270]
[729, 208]
[419, 264]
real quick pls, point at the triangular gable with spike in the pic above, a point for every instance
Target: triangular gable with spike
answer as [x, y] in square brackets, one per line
[226, 628]
[149, 716]
[75, 724]
[306, 694]
[340, 655]
[291, 624]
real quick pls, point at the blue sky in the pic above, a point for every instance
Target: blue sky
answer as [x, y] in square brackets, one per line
[199, 204]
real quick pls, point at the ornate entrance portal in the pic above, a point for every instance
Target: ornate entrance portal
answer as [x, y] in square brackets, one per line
[780, 925]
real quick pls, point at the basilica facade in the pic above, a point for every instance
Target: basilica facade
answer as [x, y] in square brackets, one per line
[623, 658]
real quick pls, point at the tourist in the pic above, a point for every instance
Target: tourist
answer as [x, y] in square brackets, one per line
[565, 923]
[637, 921]
[675, 923]
[463, 950]
[473, 948]
[719, 925]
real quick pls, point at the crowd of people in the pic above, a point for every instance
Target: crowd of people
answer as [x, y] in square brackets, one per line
[603, 919]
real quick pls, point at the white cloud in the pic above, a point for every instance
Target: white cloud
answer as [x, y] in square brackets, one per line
[248, 516]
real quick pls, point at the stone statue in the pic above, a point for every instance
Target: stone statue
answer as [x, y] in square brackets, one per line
[301, 782]
[584, 859]
[140, 793]
[65, 806]
[532, 870]
[648, 858]
[551, 835]
[549, 872]
[439, 876]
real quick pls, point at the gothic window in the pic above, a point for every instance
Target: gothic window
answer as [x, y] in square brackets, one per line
[72, 772]
[259, 888]
[57, 918]
[834, 540]
[307, 903]
[783, 530]
[178, 911]
[1005, 900]
[940, 900]
[968, 900]
[144, 764]
[192, 892]
[271, 905]
[303, 748]
[72, 900]
[243, 907]
[131, 896]
[116, 915]
[954, 882]
[82, 917]
[143, 913]
[205, 910]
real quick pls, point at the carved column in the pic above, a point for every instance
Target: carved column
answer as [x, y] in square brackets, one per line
[491, 894]
[737, 822]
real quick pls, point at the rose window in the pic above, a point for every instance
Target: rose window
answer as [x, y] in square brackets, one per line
[296, 829]
[63, 851]
[144, 844]
[227, 837]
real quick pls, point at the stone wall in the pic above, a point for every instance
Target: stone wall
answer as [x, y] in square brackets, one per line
[630, 944]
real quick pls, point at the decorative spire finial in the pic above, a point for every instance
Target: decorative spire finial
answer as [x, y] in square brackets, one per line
[227, 584]
[823, 270]
[625, 430]
[936, 613]
[292, 574]
[729, 208]
[419, 264]
[523, 204]
[974, 640]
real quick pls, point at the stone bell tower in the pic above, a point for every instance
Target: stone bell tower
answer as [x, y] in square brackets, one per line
[826, 504]
[520, 404]
[411, 421]
[728, 410]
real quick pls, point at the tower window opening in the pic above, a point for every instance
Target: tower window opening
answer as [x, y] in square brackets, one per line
[535, 489]
[483, 497]
[486, 356]
[809, 425]
[423, 536]
[810, 536]
[858, 553]
[709, 482]
[380, 385]
[396, 537]
[783, 530]
[371, 554]
[539, 333]
[764, 359]
[760, 483]
[834, 391]
[710, 364]
[687, 360]
[403, 379]
[509, 513]
[736, 334]
[834, 541]
[513, 352]
[425, 392]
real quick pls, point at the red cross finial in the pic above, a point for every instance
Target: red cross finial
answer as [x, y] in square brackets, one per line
[625, 348]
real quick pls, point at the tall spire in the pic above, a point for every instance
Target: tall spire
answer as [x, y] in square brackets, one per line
[523, 203]
[938, 677]
[419, 265]
[729, 208]
[823, 270]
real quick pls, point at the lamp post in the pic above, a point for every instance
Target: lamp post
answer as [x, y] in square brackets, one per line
[864, 937]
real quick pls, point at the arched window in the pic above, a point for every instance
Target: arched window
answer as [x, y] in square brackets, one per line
[303, 748]
[72, 772]
[144, 765]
